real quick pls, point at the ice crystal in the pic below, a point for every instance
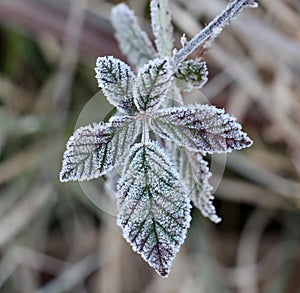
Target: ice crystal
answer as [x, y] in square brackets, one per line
[154, 206]
[154, 189]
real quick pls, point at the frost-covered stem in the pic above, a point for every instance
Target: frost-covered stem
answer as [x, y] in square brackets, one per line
[218, 23]
[145, 136]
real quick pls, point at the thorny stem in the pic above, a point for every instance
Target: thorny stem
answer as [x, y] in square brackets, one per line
[218, 23]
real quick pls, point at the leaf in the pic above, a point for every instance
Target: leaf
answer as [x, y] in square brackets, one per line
[152, 84]
[200, 128]
[162, 26]
[94, 150]
[154, 206]
[134, 42]
[116, 80]
[195, 173]
[191, 74]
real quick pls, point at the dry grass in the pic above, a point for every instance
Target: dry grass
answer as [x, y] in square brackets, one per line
[53, 239]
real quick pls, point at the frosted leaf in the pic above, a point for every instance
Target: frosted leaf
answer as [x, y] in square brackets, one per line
[191, 75]
[200, 128]
[133, 42]
[92, 151]
[152, 84]
[116, 80]
[154, 206]
[162, 27]
[195, 172]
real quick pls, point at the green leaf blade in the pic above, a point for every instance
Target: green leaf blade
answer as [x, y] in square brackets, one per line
[93, 151]
[154, 206]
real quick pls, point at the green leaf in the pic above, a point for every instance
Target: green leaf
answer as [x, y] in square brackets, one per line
[200, 128]
[154, 206]
[191, 75]
[162, 26]
[94, 150]
[195, 173]
[134, 42]
[116, 80]
[153, 82]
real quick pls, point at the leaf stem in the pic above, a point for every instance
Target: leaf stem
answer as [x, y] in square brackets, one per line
[145, 137]
[218, 23]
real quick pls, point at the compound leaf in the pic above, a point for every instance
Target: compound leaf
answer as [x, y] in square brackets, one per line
[195, 172]
[94, 150]
[134, 42]
[116, 80]
[154, 206]
[191, 75]
[153, 82]
[200, 128]
[162, 26]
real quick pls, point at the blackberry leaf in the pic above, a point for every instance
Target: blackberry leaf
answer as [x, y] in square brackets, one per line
[154, 206]
[200, 128]
[94, 150]
[195, 173]
[116, 80]
[162, 26]
[152, 84]
[134, 42]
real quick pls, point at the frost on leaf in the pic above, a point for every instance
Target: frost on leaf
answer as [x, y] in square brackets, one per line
[154, 206]
[94, 150]
[133, 42]
[191, 74]
[116, 80]
[162, 27]
[195, 172]
[200, 128]
[152, 84]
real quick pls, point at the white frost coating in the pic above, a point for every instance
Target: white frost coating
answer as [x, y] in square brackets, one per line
[195, 172]
[154, 206]
[116, 80]
[162, 26]
[231, 11]
[153, 82]
[92, 151]
[134, 42]
[200, 128]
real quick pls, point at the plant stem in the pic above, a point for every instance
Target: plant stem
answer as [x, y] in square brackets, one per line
[145, 136]
[214, 26]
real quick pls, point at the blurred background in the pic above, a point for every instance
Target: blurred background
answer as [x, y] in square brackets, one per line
[54, 238]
